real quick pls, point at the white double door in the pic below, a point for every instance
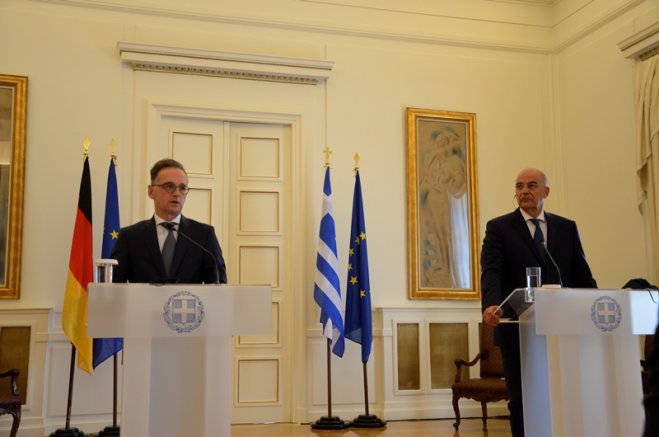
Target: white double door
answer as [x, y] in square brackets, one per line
[239, 182]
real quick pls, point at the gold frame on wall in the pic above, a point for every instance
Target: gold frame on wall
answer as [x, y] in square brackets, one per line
[13, 117]
[442, 205]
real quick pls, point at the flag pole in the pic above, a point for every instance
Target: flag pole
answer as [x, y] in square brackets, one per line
[358, 323]
[67, 431]
[367, 420]
[104, 268]
[329, 421]
[331, 317]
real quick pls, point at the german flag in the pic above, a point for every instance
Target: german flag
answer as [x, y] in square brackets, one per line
[81, 273]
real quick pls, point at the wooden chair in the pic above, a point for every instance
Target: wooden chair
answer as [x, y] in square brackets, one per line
[12, 404]
[646, 368]
[490, 387]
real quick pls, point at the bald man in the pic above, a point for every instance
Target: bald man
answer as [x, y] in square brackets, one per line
[508, 248]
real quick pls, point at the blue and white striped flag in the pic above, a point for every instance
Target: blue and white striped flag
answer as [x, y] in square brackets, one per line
[327, 290]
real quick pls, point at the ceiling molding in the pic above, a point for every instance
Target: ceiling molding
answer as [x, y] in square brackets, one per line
[148, 57]
[641, 45]
[514, 34]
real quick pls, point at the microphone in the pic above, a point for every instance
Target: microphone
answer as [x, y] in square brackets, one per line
[171, 226]
[551, 258]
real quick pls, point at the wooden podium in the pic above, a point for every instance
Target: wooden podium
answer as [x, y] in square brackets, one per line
[581, 373]
[177, 378]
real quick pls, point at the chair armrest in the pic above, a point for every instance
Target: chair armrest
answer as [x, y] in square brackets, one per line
[459, 363]
[13, 373]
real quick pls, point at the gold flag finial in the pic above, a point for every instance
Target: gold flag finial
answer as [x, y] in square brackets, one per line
[327, 153]
[113, 150]
[86, 143]
[356, 162]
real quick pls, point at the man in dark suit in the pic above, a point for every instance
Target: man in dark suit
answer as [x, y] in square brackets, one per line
[141, 248]
[508, 248]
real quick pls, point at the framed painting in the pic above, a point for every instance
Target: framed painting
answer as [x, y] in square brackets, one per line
[442, 205]
[13, 114]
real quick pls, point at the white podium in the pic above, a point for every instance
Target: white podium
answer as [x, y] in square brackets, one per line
[177, 378]
[581, 361]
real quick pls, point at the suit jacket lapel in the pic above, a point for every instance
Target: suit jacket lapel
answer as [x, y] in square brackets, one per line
[552, 243]
[522, 228]
[182, 245]
[152, 246]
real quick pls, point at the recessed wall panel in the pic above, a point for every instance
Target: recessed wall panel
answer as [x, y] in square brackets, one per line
[259, 157]
[271, 339]
[194, 151]
[258, 380]
[448, 342]
[409, 366]
[259, 265]
[259, 211]
[199, 204]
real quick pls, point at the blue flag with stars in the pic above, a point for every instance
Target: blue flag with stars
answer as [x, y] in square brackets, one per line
[358, 324]
[327, 287]
[104, 348]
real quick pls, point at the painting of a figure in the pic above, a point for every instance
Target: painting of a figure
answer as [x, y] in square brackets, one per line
[441, 192]
[443, 208]
[6, 118]
[13, 113]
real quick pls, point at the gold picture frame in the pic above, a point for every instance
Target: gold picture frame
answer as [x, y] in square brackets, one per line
[442, 205]
[13, 117]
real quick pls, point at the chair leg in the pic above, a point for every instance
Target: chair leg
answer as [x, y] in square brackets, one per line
[15, 423]
[456, 408]
[484, 408]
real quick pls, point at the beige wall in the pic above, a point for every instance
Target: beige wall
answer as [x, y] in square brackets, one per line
[534, 107]
[550, 89]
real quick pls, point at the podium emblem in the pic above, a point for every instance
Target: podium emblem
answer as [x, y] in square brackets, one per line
[183, 312]
[606, 313]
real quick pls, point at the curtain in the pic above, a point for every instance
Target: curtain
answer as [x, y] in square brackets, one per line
[646, 82]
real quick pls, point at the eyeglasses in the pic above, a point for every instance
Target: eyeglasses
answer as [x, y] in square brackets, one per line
[170, 187]
[531, 186]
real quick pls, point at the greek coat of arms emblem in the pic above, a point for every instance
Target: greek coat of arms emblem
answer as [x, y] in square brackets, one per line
[183, 312]
[606, 314]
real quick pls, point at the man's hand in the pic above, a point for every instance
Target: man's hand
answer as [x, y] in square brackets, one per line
[491, 316]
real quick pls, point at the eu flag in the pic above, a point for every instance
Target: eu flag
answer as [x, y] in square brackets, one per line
[104, 348]
[358, 324]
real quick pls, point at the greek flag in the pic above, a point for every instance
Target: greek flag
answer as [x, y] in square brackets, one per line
[327, 290]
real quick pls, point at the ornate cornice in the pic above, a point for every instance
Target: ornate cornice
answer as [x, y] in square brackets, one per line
[149, 57]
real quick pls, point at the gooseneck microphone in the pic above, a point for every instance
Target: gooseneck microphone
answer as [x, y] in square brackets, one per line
[551, 258]
[172, 226]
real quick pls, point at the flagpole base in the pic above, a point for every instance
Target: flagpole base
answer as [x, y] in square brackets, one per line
[370, 421]
[330, 423]
[70, 432]
[109, 431]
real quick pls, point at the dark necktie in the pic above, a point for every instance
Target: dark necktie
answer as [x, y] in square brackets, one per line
[168, 247]
[538, 239]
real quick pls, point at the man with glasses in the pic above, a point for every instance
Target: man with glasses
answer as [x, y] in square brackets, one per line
[525, 238]
[168, 247]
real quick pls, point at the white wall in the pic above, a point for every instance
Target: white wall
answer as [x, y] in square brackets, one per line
[549, 90]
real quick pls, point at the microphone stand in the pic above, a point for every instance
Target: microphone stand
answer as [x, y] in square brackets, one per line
[551, 258]
[172, 227]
